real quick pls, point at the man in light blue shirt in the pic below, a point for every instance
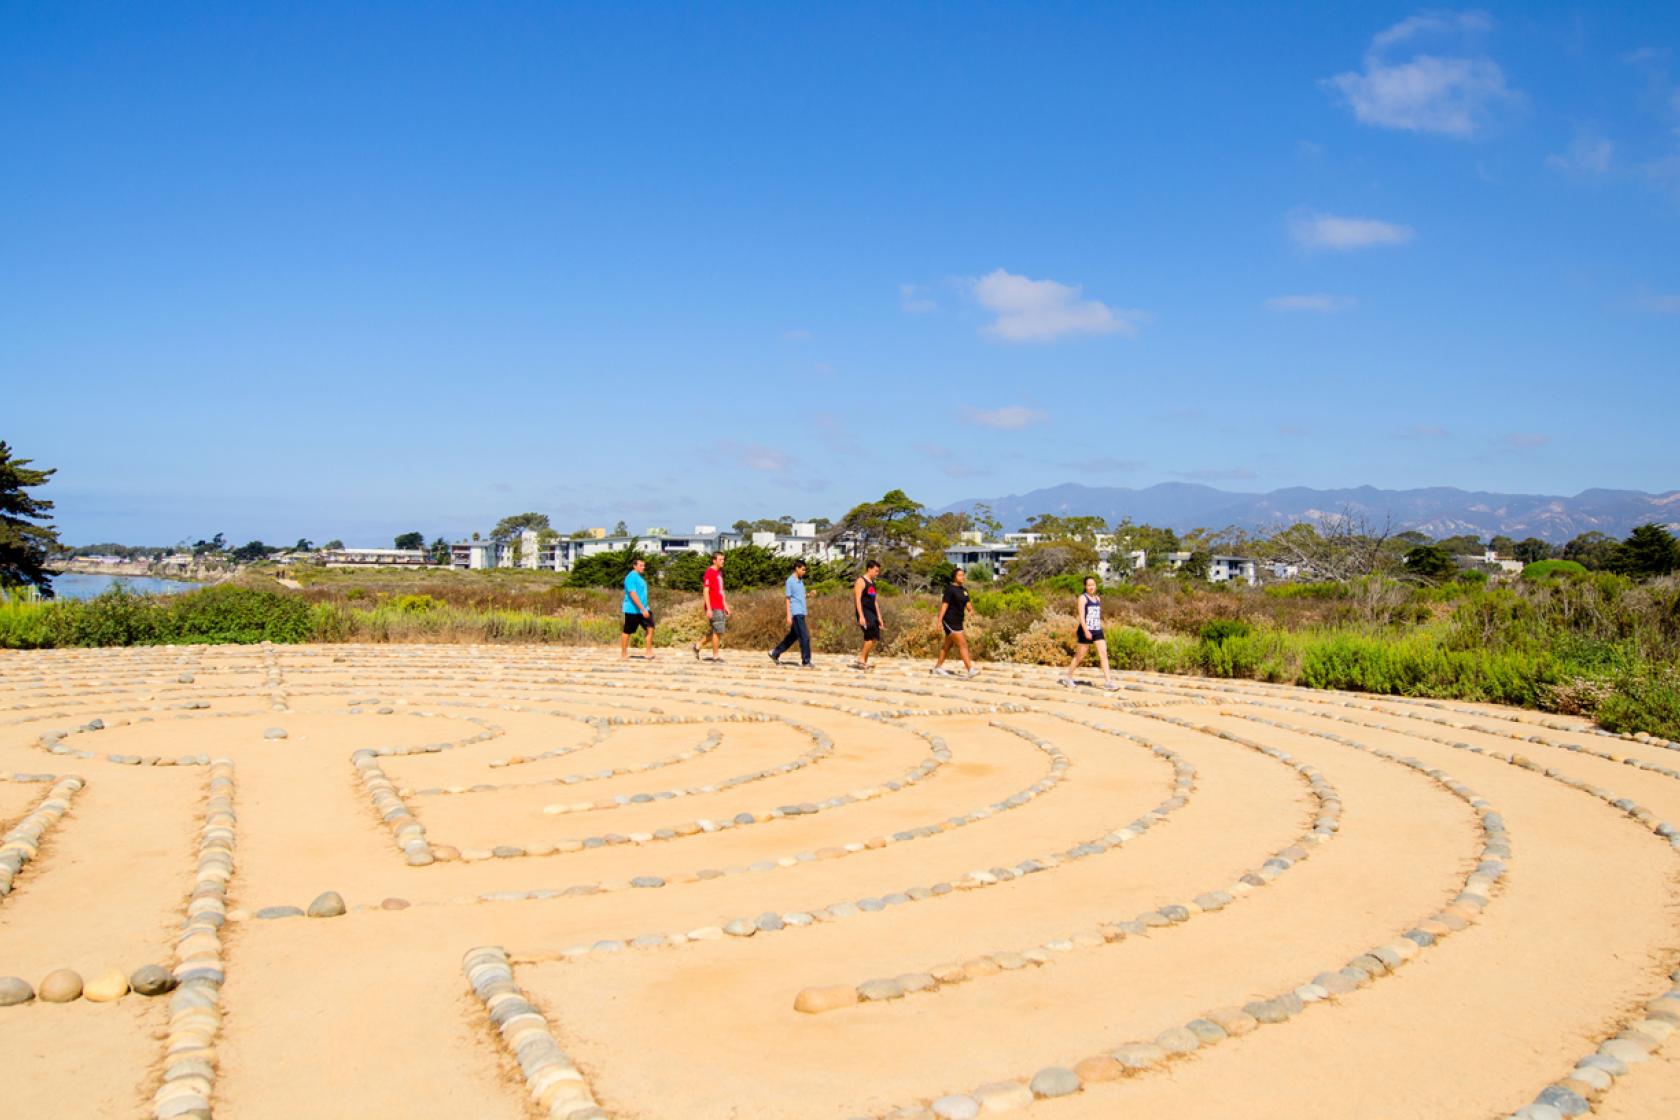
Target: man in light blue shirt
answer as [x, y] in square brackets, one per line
[798, 630]
[638, 615]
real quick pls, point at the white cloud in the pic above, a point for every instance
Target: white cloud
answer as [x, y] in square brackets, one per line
[1327, 231]
[1009, 418]
[914, 300]
[1322, 304]
[756, 456]
[1452, 95]
[1044, 310]
[1588, 154]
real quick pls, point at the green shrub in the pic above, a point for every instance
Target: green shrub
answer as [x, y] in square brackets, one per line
[230, 613]
[993, 603]
[115, 618]
[415, 604]
[1552, 569]
[1217, 630]
[1647, 701]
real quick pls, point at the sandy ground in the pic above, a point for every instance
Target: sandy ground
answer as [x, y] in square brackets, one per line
[370, 1014]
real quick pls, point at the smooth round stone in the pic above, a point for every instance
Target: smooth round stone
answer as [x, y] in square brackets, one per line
[1566, 1101]
[1538, 1112]
[814, 1001]
[1054, 1081]
[1140, 1055]
[1206, 1031]
[882, 989]
[1003, 1096]
[394, 904]
[1621, 1049]
[60, 986]
[327, 904]
[1099, 1068]
[274, 733]
[1178, 1040]
[15, 990]
[107, 986]
[271, 912]
[1233, 1020]
[152, 980]
[647, 881]
[956, 1107]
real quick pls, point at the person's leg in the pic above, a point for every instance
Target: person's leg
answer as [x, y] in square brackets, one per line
[624, 646]
[962, 648]
[787, 640]
[1102, 655]
[647, 641]
[803, 626]
[1078, 656]
[944, 648]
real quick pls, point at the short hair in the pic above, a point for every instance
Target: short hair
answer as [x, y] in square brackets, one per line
[872, 566]
[638, 560]
[1090, 579]
[955, 572]
[798, 564]
[717, 556]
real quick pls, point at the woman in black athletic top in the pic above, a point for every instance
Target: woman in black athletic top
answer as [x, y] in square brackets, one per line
[1088, 610]
[953, 610]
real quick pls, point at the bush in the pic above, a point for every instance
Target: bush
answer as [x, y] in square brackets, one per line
[1647, 701]
[993, 603]
[238, 614]
[115, 618]
[1216, 630]
[1552, 569]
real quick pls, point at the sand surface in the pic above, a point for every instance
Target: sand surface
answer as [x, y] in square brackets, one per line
[603, 822]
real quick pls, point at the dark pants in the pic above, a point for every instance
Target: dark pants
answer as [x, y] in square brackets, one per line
[798, 632]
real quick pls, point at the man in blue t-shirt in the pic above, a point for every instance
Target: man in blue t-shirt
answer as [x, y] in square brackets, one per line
[798, 631]
[638, 615]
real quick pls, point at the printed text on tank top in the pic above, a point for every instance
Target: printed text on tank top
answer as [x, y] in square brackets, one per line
[1093, 613]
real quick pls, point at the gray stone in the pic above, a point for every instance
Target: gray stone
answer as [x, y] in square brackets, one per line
[883, 989]
[1054, 1081]
[15, 990]
[152, 980]
[328, 904]
[647, 881]
[274, 733]
[268, 912]
[956, 1107]
[1566, 1101]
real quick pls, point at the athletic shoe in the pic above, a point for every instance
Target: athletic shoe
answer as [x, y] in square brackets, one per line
[940, 671]
[806, 665]
[774, 660]
[1068, 682]
[696, 651]
[972, 673]
[1110, 686]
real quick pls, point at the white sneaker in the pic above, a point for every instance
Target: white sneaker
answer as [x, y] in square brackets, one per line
[1068, 682]
[940, 671]
[971, 674]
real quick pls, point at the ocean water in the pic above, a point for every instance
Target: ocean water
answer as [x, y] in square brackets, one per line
[75, 585]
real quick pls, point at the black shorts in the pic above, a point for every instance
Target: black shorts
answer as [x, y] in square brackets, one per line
[871, 628]
[1085, 637]
[635, 622]
[949, 629]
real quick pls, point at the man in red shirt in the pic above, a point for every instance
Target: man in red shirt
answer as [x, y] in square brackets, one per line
[715, 604]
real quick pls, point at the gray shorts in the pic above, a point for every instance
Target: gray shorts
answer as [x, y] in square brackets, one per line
[720, 622]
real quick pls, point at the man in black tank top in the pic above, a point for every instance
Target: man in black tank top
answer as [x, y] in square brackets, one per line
[868, 611]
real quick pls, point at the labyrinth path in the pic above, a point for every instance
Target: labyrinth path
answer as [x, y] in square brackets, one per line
[500, 883]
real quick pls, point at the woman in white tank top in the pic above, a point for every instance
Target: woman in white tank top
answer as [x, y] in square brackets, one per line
[1088, 610]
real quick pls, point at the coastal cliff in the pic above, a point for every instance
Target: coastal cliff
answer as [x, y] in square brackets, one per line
[191, 571]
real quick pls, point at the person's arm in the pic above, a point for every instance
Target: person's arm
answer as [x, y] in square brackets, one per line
[637, 599]
[787, 601]
[857, 598]
[944, 605]
[1079, 613]
[722, 597]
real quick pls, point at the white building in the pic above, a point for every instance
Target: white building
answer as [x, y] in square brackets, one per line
[374, 557]
[1224, 569]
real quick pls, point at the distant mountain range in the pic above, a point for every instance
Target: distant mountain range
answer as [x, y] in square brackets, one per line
[1440, 511]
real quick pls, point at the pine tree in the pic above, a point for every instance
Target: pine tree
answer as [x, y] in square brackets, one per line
[23, 544]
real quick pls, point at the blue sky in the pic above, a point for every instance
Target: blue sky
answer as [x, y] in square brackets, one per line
[290, 270]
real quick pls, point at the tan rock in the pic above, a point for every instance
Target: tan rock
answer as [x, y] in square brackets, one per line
[60, 986]
[814, 1001]
[107, 986]
[1099, 1068]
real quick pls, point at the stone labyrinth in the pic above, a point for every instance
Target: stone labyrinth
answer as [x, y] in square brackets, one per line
[430, 881]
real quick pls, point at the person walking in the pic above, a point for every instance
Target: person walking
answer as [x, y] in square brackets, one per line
[716, 606]
[868, 611]
[638, 615]
[1088, 610]
[798, 628]
[953, 609]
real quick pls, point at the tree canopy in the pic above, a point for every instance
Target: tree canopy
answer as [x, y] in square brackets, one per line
[24, 543]
[411, 540]
[509, 527]
[1650, 550]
